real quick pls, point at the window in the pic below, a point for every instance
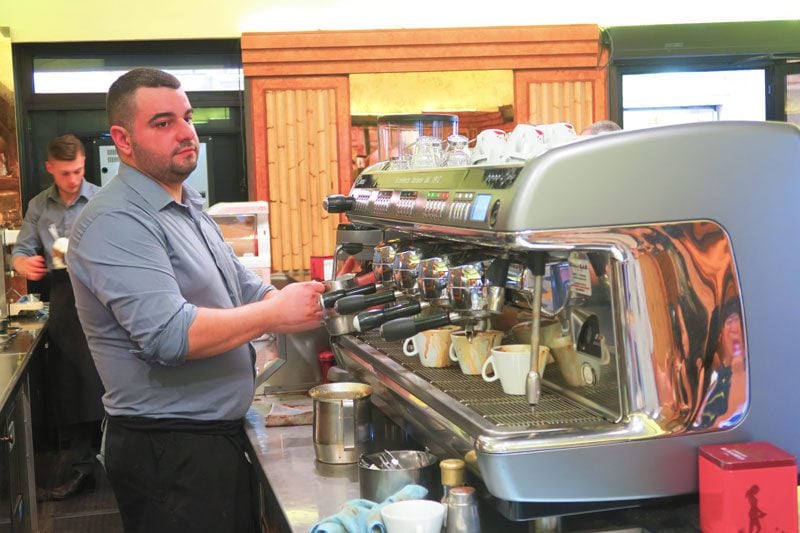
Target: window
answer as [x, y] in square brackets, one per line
[657, 99]
[63, 75]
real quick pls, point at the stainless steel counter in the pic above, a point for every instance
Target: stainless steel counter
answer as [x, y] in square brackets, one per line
[16, 353]
[305, 491]
[18, 347]
[301, 492]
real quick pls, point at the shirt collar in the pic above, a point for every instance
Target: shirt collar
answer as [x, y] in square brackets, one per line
[152, 192]
[87, 191]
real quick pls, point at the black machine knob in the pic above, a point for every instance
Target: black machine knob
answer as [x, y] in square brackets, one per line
[328, 299]
[372, 319]
[403, 328]
[348, 305]
[338, 203]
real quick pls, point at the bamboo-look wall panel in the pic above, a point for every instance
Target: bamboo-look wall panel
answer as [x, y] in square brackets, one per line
[302, 162]
[577, 97]
[561, 102]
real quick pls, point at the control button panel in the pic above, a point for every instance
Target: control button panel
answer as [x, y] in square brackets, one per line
[406, 203]
[381, 204]
[459, 208]
[501, 178]
[435, 204]
[362, 203]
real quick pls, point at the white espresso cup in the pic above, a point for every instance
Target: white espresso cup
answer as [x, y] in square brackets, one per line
[558, 133]
[432, 346]
[413, 516]
[511, 364]
[525, 142]
[471, 353]
[490, 147]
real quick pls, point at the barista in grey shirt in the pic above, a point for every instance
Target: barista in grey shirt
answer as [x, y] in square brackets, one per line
[169, 312]
[137, 301]
[73, 388]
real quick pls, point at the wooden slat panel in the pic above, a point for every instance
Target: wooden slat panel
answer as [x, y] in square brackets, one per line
[301, 148]
[561, 102]
[453, 51]
[424, 36]
[574, 96]
[421, 65]
[421, 50]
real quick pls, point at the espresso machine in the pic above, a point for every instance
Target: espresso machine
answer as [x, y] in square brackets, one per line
[646, 260]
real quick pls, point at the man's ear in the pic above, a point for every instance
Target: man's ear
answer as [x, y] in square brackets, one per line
[48, 166]
[122, 140]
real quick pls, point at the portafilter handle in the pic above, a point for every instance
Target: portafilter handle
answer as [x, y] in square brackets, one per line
[328, 299]
[356, 303]
[403, 328]
[338, 203]
[372, 319]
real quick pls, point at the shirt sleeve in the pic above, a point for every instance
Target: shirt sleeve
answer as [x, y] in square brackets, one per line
[124, 262]
[28, 243]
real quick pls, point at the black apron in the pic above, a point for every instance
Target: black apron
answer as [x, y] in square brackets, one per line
[70, 369]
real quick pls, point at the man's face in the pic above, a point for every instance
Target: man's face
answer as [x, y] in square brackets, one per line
[68, 175]
[163, 139]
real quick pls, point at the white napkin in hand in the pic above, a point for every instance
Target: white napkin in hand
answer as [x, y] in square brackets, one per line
[59, 251]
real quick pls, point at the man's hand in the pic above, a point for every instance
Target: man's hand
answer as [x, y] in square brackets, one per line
[298, 305]
[33, 268]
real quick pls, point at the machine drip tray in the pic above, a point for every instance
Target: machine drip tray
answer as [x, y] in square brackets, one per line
[488, 399]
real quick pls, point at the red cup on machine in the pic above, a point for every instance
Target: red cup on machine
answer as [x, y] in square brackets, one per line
[326, 361]
[321, 267]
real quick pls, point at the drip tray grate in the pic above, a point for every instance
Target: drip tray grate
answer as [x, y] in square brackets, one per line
[488, 399]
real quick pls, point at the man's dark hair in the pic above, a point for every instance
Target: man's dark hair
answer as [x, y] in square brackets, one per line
[65, 148]
[602, 126]
[119, 101]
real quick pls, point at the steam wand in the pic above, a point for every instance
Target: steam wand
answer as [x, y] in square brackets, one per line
[533, 382]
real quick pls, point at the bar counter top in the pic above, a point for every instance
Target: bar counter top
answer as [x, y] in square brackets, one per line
[16, 352]
[304, 491]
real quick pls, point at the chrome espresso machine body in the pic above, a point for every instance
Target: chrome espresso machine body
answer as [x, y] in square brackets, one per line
[667, 314]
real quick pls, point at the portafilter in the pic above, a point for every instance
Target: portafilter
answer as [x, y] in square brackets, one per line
[477, 289]
[432, 277]
[382, 263]
[405, 270]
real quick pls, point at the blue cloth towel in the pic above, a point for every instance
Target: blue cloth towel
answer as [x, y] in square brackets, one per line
[364, 516]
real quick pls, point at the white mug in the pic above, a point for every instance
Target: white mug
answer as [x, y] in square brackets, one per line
[511, 364]
[434, 344]
[471, 353]
[558, 133]
[413, 516]
[525, 142]
[578, 369]
[490, 147]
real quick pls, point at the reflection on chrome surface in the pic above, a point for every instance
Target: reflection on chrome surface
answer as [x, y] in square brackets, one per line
[691, 323]
[679, 321]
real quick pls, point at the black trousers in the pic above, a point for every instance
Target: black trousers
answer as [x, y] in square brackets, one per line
[181, 476]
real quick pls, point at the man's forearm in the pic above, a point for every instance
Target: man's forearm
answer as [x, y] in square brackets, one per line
[215, 331]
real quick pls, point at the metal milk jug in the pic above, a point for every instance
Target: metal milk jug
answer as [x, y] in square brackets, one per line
[341, 421]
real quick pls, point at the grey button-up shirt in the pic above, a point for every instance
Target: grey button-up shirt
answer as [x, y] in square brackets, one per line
[44, 209]
[141, 264]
